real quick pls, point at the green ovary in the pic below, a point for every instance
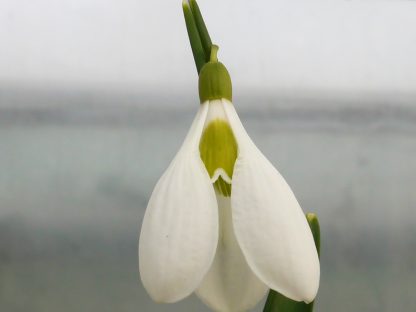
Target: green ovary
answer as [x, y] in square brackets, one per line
[218, 149]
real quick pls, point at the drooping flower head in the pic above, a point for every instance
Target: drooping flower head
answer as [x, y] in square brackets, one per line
[221, 221]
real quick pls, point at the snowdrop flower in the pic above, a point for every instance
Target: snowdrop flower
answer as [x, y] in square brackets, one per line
[221, 221]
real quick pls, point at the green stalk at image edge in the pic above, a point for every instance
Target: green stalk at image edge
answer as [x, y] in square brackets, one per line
[276, 302]
[201, 45]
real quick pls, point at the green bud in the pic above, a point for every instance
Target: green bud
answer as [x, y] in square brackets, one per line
[214, 80]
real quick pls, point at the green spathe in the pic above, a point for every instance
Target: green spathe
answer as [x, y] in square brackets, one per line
[214, 80]
[197, 32]
[218, 150]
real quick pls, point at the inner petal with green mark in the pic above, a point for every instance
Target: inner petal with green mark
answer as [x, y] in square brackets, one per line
[218, 149]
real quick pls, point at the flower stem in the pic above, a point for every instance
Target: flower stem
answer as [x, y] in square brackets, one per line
[194, 38]
[202, 28]
[315, 229]
[197, 32]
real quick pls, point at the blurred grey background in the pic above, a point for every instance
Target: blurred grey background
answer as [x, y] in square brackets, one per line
[96, 97]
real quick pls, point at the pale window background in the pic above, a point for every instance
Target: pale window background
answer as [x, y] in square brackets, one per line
[96, 97]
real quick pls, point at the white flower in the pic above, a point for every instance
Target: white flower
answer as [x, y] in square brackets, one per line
[229, 244]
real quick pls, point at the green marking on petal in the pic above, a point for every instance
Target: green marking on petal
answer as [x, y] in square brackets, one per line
[223, 187]
[218, 149]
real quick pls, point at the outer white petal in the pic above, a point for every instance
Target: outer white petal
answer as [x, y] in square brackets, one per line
[179, 233]
[230, 285]
[269, 224]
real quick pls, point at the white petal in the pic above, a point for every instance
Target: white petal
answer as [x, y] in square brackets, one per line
[230, 285]
[215, 111]
[179, 233]
[269, 224]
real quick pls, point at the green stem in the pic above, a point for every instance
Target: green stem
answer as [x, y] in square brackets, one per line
[202, 28]
[194, 37]
[315, 229]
